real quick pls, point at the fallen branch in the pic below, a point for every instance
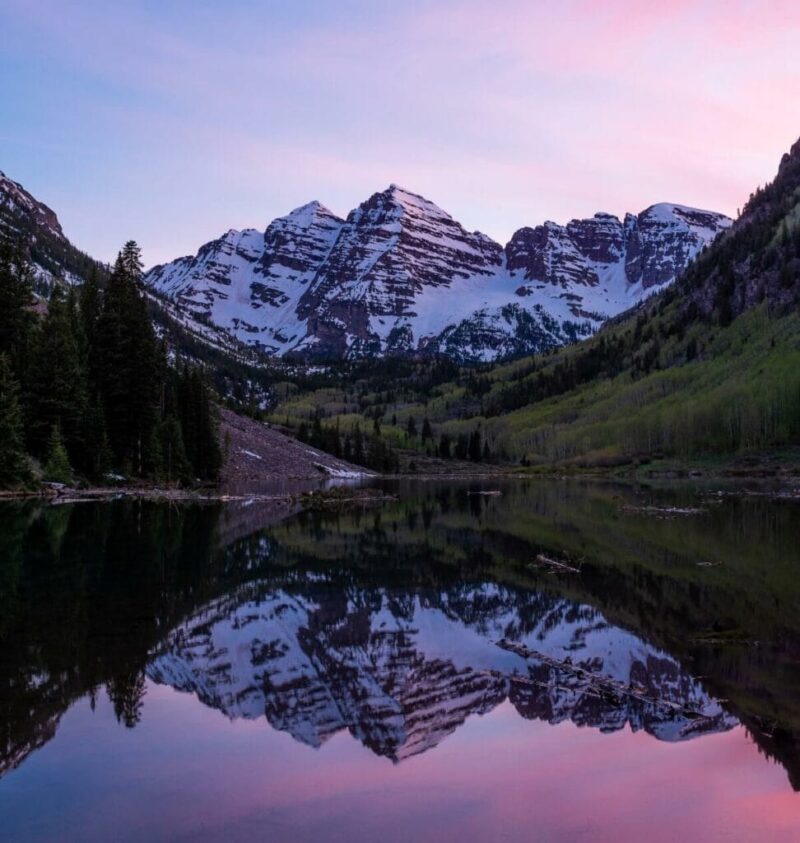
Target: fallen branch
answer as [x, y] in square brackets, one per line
[602, 686]
[554, 565]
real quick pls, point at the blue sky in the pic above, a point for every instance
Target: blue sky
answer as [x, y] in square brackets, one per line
[172, 122]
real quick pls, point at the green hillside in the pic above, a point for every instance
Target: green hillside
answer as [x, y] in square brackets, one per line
[709, 368]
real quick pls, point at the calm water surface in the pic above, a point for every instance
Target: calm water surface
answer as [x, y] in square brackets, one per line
[403, 671]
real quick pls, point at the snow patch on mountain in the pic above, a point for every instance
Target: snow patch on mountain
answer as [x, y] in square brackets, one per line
[400, 275]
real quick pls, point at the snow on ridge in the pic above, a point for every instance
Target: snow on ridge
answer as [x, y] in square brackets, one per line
[400, 269]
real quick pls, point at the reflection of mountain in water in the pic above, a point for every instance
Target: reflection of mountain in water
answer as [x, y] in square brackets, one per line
[402, 669]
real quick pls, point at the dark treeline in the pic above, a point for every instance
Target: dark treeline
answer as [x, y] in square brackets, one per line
[372, 450]
[369, 450]
[85, 386]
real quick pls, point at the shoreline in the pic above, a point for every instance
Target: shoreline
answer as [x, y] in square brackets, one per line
[786, 485]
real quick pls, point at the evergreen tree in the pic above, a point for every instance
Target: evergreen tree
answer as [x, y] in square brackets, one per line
[13, 460]
[57, 384]
[129, 360]
[427, 433]
[358, 446]
[16, 312]
[57, 467]
[199, 426]
[90, 305]
[99, 460]
[475, 446]
[176, 466]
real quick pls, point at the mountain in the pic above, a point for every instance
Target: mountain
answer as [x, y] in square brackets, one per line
[709, 365]
[400, 275]
[758, 260]
[55, 259]
[402, 669]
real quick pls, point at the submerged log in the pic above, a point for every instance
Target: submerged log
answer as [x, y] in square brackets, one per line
[554, 565]
[602, 686]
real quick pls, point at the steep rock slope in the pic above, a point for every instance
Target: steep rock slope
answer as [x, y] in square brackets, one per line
[758, 259]
[25, 219]
[400, 275]
[249, 282]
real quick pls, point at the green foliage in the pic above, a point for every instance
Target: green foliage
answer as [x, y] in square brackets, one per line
[129, 366]
[57, 467]
[367, 450]
[94, 384]
[196, 416]
[16, 300]
[57, 382]
[14, 467]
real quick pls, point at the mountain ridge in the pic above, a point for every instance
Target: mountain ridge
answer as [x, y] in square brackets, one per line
[26, 219]
[401, 275]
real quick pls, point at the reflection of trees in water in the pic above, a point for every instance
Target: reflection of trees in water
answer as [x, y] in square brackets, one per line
[88, 591]
[126, 693]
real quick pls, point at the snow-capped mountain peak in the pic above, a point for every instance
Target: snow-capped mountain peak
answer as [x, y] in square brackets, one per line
[400, 275]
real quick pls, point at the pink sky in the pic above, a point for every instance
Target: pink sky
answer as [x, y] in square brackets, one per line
[171, 125]
[187, 772]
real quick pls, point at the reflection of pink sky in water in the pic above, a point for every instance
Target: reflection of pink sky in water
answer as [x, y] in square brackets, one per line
[187, 770]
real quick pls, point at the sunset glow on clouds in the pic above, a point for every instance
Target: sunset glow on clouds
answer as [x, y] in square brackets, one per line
[173, 122]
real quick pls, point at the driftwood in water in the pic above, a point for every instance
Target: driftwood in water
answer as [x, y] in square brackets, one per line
[662, 512]
[600, 686]
[554, 565]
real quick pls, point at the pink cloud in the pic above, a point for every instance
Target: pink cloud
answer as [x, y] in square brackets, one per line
[505, 113]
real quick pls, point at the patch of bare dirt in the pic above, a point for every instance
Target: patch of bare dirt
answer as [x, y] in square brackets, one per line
[259, 458]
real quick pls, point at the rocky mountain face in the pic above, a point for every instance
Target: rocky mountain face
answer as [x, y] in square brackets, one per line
[400, 275]
[402, 669]
[23, 218]
[758, 259]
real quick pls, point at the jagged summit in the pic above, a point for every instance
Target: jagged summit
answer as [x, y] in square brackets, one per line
[309, 211]
[400, 275]
[26, 220]
[15, 199]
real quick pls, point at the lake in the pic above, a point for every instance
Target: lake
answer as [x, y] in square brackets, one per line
[523, 660]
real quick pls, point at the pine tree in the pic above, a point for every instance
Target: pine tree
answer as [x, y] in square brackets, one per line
[129, 362]
[358, 446]
[176, 466]
[57, 467]
[100, 460]
[208, 459]
[13, 460]
[475, 446]
[199, 428]
[90, 306]
[57, 384]
[16, 313]
[427, 433]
